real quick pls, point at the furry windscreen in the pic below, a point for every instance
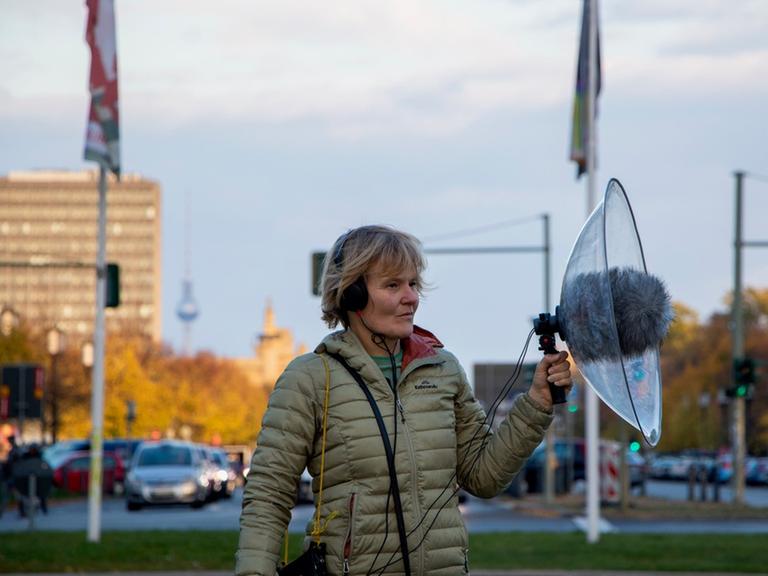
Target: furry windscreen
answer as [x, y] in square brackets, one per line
[641, 305]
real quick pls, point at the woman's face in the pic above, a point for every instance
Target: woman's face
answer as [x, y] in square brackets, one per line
[392, 302]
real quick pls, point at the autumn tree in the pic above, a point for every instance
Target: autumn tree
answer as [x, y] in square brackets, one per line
[696, 361]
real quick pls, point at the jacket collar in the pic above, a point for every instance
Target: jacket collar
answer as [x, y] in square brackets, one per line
[420, 345]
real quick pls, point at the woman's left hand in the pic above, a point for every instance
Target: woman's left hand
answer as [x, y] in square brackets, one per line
[554, 369]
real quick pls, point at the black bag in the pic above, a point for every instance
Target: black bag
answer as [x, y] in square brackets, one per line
[311, 563]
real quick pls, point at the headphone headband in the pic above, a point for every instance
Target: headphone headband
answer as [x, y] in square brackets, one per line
[338, 256]
[355, 296]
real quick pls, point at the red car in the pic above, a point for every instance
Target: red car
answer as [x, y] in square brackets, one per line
[72, 471]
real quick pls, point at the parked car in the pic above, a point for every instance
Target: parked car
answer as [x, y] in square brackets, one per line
[658, 467]
[167, 472]
[123, 447]
[54, 453]
[531, 477]
[72, 472]
[209, 468]
[757, 471]
[223, 476]
[239, 456]
[638, 470]
[670, 467]
[305, 494]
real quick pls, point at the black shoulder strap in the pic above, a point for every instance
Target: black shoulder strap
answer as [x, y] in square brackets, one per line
[390, 461]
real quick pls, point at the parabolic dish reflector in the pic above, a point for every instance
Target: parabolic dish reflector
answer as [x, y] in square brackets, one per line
[614, 314]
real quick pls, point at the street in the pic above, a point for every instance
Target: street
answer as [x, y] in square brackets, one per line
[671, 490]
[496, 515]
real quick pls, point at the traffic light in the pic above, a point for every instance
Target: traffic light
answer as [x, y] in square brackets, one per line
[743, 378]
[318, 259]
[113, 286]
[21, 390]
[745, 371]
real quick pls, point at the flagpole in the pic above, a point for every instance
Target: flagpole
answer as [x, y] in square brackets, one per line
[97, 391]
[592, 404]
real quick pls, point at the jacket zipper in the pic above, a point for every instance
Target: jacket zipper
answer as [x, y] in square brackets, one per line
[348, 540]
[402, 411]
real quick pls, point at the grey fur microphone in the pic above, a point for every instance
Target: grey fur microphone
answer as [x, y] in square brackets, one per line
[641, 309]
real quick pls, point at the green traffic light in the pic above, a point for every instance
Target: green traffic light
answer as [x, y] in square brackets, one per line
[572, 408]
[634, 446]
[741, 391]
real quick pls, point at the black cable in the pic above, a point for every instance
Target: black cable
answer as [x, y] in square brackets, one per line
[478, 230]
[380, 341]
[506, 387]
[758, 177]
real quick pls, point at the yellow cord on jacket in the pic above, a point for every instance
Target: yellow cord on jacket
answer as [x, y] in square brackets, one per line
[319, 528]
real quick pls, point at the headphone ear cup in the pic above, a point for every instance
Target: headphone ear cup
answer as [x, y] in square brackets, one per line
[355, 297]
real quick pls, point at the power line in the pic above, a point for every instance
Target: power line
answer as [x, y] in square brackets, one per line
[758, 177]
[480, 230]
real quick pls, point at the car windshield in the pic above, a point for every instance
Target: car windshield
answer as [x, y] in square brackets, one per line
[165, 456]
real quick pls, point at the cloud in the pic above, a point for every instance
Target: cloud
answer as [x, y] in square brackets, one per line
[364, 68]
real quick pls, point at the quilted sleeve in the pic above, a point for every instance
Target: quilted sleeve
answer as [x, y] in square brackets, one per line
[487, 462]
[283, 448]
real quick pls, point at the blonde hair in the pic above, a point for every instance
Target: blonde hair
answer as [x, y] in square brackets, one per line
[359, 251]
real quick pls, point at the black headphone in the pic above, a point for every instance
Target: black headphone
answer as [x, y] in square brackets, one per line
[355, 296]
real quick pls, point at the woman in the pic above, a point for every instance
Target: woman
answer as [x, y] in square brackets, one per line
[436, 430]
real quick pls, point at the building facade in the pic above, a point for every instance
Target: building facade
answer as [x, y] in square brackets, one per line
[48, 246]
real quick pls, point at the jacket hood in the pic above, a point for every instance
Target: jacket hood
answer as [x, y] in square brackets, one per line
[420, 344]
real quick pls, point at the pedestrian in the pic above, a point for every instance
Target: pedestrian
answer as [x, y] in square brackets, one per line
[386, 422]
[6, 472]
[31, 463]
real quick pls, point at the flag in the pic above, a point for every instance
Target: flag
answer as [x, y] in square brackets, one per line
[580, 127]
[102, 139]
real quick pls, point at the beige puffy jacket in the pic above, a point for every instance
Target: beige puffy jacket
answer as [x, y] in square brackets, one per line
[442, 442]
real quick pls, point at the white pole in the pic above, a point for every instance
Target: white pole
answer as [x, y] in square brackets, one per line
[739, 403]
[551, 458]
[591, 402]
[97, 392]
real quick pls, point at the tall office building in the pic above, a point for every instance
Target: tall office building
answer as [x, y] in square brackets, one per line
[48, 245]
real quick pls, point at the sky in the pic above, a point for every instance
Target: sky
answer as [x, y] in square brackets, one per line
[281, 124]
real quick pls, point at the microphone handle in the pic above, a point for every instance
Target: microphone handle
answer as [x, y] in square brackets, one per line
[547, 345]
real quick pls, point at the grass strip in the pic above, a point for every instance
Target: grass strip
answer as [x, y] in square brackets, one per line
[641, 552]
[214, 550]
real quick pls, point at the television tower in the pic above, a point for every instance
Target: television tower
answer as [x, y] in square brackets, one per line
[187, 309]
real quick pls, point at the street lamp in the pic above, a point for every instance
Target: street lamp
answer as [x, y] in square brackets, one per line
[56, 343]
[86, 355]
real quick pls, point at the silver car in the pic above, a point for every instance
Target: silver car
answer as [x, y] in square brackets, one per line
[224, 478]
[166, 472]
